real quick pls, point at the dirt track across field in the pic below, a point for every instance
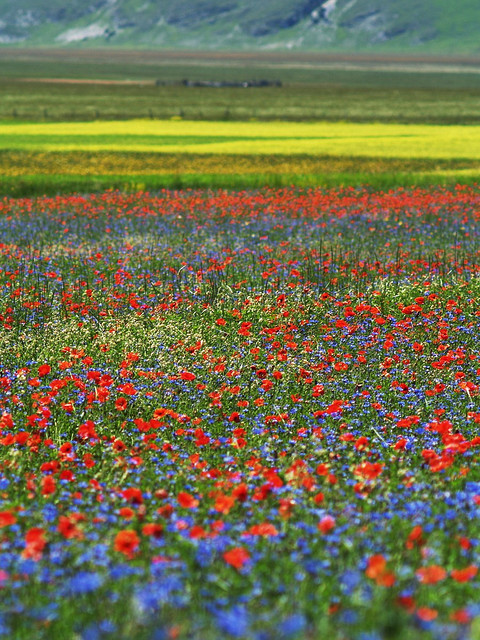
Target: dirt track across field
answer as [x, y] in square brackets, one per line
[88, 81]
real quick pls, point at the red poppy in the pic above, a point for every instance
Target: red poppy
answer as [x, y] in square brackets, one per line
[464, 575]
[426, 614]
[48, 485]
[34, 543]
[127, 542]
[462, 616]
[7, 518]
[197, 532]
[128, 389]
[415, 538]
[240, 492]
[369, 470]
[186, 500]
[88, 460]
[265, 529]
[431, 574]
[224, 503]
[68, 528]
[236, 557]
[127, 513]
[152, 529]
[121, 404]
[377, 570]
[326, 524]
[133, 495]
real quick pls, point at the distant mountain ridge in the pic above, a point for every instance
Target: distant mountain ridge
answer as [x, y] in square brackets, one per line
[429, 26]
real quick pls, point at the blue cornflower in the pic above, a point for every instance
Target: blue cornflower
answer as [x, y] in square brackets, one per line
[294, 624]
[4, 629]
[348, 616]
[84, 582]
[349, 581]
[233, 621]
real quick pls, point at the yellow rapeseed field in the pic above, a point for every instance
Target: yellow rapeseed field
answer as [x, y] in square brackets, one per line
[88, 163]
[256, 138]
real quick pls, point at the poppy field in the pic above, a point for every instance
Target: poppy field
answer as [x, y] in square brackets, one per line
[240, 414]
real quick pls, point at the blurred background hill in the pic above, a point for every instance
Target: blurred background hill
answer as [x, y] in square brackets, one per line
[391, 26]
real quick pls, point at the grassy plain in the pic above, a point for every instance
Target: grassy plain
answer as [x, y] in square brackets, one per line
[88, 119]
[61, 85]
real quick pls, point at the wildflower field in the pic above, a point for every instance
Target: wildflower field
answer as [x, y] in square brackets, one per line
[240, 414]
[40, 158]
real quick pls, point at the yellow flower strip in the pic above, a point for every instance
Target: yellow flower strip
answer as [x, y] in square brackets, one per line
[248, 138]
[82, 163]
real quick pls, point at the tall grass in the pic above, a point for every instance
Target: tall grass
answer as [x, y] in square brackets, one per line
[57, 184]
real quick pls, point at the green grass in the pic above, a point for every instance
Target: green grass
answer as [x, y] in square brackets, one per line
[32, 185]
[313, 87]
[35, 101]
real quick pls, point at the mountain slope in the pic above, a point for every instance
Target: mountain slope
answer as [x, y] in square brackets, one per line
[432, 26]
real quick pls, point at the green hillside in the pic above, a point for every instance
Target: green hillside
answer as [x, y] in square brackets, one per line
[428, 26]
